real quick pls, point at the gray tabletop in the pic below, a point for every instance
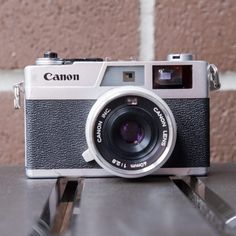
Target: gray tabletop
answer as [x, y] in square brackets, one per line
[114, 206]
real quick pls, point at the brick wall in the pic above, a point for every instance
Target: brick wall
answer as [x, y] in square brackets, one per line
[119, 29]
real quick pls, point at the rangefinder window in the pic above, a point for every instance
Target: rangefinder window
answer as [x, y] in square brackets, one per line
[128, 76]
[172, 77]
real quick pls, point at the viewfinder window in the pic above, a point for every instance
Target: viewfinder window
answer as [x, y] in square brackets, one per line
[172, 77]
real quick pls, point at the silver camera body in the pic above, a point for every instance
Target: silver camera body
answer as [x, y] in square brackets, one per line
[89, 117]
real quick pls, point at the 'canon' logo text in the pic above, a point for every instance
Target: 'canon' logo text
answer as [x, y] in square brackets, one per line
[62, 77]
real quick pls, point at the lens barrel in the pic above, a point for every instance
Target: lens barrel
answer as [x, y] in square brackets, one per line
[130, 139]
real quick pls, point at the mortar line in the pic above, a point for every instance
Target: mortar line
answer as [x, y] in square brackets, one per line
[147, 30]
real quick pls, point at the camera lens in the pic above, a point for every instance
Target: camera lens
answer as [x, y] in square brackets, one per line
[131, 132]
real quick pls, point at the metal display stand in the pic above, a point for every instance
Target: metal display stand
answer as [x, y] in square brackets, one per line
[116, 206]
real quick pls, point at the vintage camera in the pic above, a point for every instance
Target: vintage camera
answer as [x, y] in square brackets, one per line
[89, 117]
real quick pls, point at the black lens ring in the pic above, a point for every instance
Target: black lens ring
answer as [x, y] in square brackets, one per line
[131, 151]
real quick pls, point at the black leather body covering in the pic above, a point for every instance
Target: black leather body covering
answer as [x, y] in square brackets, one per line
[55, 133]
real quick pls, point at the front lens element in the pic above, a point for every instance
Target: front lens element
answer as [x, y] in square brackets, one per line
[131, 132]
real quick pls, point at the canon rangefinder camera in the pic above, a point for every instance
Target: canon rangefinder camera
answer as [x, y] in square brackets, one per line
[95, 118]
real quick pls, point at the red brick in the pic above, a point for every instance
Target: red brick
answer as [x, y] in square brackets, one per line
[223, 126]
[205, 28]
[11, 132]
[73, 28]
